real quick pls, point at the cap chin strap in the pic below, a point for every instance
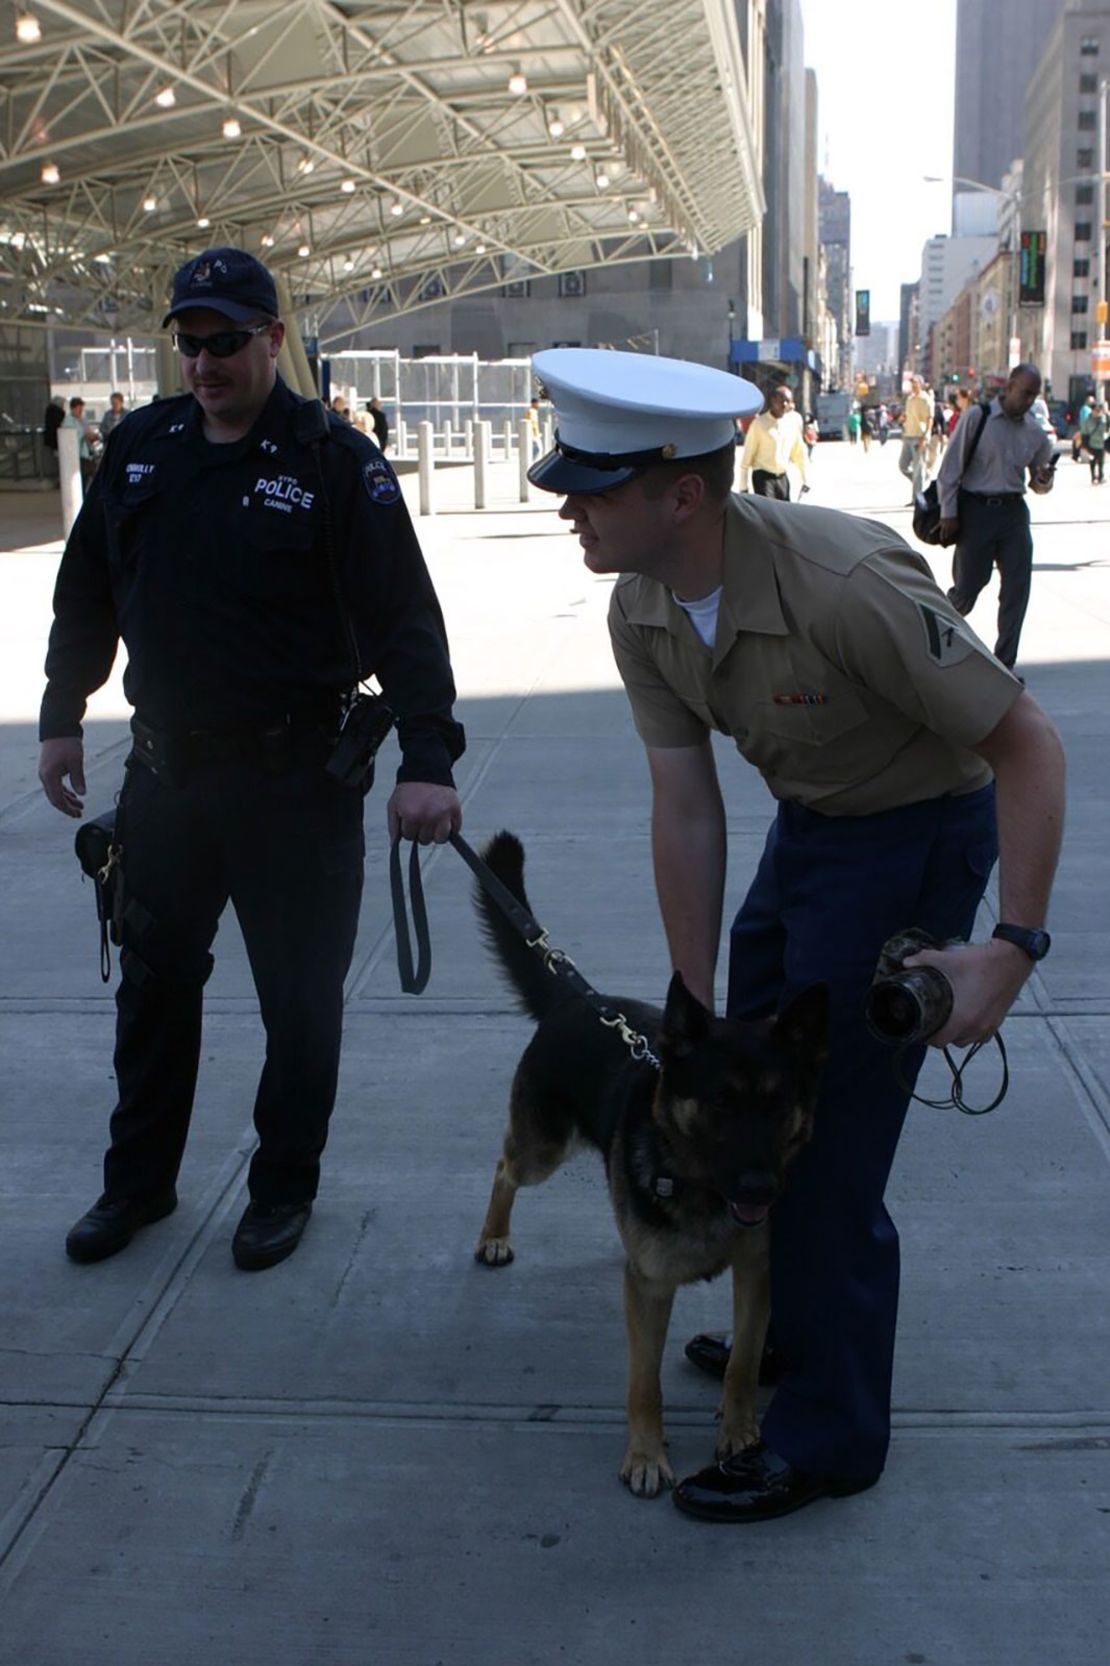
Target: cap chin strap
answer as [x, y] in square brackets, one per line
[608, 461]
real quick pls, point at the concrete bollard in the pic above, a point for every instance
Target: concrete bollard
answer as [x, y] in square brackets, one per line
[481, 462]
[548, 435]
[401, 438]
[524, 455]
[425, 453]
[69, 474]
[448, 439]
[508, 432]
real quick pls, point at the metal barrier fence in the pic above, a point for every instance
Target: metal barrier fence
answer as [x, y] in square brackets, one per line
[451, 391]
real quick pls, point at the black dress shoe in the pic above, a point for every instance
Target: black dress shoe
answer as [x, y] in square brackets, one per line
[709, 1351]
[757, 1485]
[267, 1233]
[111, 1224]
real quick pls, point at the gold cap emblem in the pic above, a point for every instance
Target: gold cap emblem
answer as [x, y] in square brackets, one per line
[669, 451]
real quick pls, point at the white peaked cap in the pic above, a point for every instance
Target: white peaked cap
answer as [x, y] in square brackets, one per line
[618, 413]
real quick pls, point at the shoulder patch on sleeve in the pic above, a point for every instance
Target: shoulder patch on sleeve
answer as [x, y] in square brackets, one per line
[381, 483]
[948, 640]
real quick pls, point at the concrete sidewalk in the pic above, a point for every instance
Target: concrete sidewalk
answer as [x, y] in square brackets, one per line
[381, 1454]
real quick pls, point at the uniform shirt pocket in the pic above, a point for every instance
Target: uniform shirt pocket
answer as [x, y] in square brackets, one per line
[273, 559]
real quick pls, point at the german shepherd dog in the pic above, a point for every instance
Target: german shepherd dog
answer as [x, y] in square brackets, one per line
[695, 1152]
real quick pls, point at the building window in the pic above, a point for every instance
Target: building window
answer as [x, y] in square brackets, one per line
[1088, 46]
[1080, 268]
[517, 291]
[1083, 231]
[572, 285]
[1088, 83]
[1084, 195]
[1086, 121]
[427, 350]
[1079, 303]
[1084, 158]
[1078, 339]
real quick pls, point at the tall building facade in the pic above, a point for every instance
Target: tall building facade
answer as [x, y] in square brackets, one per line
[1060, 195]
[835, 209]
[998, 47]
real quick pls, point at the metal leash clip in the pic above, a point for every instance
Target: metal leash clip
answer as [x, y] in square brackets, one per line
[636, 1043]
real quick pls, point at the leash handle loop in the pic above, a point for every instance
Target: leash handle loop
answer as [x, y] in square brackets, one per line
[413, 980]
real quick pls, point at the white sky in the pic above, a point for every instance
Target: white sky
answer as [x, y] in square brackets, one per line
[885, 97]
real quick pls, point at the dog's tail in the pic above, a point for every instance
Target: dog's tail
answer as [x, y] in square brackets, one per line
[537, 990]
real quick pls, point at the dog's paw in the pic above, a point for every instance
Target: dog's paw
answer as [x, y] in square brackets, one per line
[646, 1473]
[735, 1435]
[494, 1252]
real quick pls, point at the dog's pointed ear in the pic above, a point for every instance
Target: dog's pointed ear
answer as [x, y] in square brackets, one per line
[685, 1020]
[803, 1026]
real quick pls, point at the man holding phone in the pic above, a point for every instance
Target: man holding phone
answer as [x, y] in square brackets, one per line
[982, 501]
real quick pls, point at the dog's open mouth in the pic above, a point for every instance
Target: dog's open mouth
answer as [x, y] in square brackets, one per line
[749, 1214]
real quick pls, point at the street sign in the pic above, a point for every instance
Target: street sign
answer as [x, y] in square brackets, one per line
[1033, 246]
[1100, 358]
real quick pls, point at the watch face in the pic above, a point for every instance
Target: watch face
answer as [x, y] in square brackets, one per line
[1039, 944]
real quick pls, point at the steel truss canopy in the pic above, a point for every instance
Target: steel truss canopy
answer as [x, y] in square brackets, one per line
[381, 155]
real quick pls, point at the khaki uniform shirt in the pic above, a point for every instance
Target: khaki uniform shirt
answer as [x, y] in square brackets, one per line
[839, 669]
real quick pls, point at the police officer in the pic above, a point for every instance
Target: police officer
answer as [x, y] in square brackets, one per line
[257, 560]
[885, 730]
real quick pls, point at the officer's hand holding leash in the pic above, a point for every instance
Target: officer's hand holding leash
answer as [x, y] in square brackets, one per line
[423, 811]
[986, 979]
[59, 759]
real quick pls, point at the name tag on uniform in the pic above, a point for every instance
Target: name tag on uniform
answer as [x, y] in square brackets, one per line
[800, 699]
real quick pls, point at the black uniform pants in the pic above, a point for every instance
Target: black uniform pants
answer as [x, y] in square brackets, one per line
[766, 484]
[994, 532]
[287, 850]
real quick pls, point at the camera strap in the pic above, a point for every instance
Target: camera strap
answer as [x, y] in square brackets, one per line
[956, 1100]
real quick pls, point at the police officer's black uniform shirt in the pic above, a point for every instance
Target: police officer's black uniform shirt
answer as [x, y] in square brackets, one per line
[210, 562]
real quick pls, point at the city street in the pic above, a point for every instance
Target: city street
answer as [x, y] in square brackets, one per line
[380, 1453]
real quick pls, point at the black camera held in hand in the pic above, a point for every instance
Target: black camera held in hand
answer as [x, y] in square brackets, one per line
[366, 722]
[906, 1005]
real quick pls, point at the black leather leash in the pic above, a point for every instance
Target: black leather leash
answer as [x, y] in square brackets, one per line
[414, 979]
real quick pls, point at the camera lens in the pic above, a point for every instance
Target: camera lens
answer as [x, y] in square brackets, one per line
[894, 1011]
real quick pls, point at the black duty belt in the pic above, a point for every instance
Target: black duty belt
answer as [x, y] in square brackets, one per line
[175, 755]
[993, 498]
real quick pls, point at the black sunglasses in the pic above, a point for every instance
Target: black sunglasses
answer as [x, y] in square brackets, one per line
[222, 345]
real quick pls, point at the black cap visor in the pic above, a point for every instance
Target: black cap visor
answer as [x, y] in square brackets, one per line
[235, 310]
[557, 472]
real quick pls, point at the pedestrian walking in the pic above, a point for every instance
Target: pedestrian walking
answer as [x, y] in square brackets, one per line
[113, 416]
[1095, 430]
[982, 503]
[255, 556]
[821, 645]
[866, 428]
[774, 442]
[380, 421]
[882, 424]
[853, 425]
[938, 436]
[917, 422]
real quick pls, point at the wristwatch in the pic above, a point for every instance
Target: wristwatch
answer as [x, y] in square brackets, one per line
[1034, 942]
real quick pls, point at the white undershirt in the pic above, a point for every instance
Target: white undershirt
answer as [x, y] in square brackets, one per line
[702, 614]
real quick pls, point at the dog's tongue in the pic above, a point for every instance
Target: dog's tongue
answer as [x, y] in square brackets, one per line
[748, 1214]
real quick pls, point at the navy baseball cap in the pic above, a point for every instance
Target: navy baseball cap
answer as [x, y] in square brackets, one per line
[229, 281]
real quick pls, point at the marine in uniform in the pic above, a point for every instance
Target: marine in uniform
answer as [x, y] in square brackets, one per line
[886, 732]
[256, 558]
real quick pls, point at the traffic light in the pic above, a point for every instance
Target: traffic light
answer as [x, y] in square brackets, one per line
[863, 312]
[955, 375]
